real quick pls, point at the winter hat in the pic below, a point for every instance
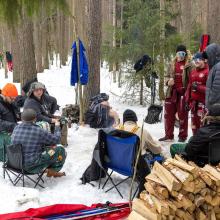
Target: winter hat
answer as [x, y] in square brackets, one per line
[9, 90]
[181, 48]
[36, 85]
[28, 115]
[129, 115]
[198, 56]
[214, 110]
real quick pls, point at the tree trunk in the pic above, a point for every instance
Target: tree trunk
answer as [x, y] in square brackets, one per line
[23, 52]
[94, 50]
[162, 39]
[142, 91]
[114, 66]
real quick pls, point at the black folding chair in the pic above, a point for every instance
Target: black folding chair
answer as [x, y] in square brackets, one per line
[13, 164]
[120, 154]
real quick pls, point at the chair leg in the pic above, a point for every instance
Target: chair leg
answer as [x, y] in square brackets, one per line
[117, 184]
[40, 178]
[34, 181]
[100, 174]
[107, 178]
[135, 192]
[115, 187]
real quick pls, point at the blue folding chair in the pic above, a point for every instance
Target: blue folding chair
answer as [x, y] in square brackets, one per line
[120, 155]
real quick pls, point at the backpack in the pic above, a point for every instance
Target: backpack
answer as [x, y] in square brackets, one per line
[97, 114]
[154, 112]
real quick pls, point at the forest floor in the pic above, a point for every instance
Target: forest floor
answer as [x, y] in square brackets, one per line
[81, 141]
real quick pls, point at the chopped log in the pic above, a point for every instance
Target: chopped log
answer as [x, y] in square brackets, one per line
[156, 190]
[135, 215]
[153, 177]
[217, 209]
[189, 187]
[184, 200]
[146, 210]
[161, 206]
[208, 199]
[191, 196]
[166, 177]
[200, 215]
[174, 193]
[183, 166]
[179, 158]
[215, 201]
[191, 209]
[180, 213]
[199, 200]
[205, 178]
[205, 192]
[213, 172]
[176, 203]
[213, 217]
[180, 174]
[188, 216]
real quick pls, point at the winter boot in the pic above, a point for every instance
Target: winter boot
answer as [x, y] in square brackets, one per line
[53, 173]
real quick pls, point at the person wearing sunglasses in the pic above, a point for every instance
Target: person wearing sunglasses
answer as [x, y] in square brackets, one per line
[175, 99]
[195, 93]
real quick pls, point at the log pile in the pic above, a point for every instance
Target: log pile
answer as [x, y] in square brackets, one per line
[179, 190]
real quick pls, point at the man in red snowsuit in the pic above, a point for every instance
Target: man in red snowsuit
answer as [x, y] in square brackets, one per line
[175, 99]
[195, 94]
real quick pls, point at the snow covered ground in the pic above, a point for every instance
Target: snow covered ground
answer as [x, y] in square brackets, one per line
[69, 189]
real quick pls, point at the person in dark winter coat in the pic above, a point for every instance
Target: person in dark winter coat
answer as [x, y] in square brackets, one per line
[213, 82]
[40, 102]
[175, 99]
[198, 144]
[9, 114]
[195, 93]
[39, 147]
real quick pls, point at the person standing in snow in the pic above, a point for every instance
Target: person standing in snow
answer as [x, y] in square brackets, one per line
[195, 93]
[213, 81]
[39, 147]
[9, 115]
[175, 99]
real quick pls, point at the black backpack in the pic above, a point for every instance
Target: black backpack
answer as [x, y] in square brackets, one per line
[154, 114]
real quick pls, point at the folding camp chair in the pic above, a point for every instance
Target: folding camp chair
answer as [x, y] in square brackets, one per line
[13, 164]
[120, 155]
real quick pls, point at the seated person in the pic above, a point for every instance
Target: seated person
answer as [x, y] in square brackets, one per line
[40, 149]
[100, 113]
[199, 143]
[40, 102]
[130, 125]
[9, 114]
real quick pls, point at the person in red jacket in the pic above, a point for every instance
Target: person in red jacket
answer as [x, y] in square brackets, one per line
[195, 94]
[175, 99]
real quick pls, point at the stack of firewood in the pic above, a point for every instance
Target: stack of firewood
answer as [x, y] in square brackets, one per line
[179, 190]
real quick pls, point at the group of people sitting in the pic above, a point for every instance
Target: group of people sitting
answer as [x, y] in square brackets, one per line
[41, 148]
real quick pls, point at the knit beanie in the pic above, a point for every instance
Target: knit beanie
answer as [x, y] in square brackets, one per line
[214, 110]
[36, 85]
[129, 115]
[28, 115]
[181, 48]
[9, 90]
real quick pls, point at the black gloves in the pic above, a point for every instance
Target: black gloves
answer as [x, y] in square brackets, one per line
[187, 107]
[194, 86]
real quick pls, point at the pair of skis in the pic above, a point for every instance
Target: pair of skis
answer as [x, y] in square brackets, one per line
[89, 213]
